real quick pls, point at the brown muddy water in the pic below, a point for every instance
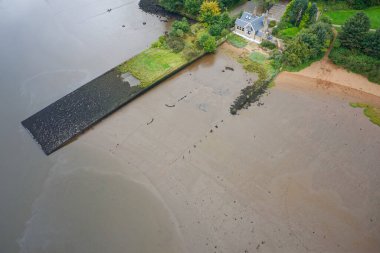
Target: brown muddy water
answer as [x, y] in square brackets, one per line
[48, 48]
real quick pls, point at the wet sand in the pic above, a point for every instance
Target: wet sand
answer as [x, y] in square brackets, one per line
[298, 174]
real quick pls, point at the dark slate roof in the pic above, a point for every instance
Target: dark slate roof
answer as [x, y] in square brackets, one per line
[249, 18]
[240, 22]
[258, 23]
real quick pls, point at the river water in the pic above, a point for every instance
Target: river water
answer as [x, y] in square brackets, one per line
[74, 201]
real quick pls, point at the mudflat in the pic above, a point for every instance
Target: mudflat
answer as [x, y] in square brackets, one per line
[299, 173]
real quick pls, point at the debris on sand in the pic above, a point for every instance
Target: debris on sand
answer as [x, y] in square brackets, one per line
[150, 122]
[169, 105]
[229, 68]
[109, 10]
[182, 98]
[144, 23]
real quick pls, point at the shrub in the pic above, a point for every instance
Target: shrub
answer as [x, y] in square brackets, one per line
[268, 44]
[190, 52]
[156, 44]
[276, 59]
[354, 30]
[216, 29]
[371, 44]
[225, 32]
[182, 25]
[192, 6]
[208, 43]
[175, 43]
[272, 23]
[357, 62]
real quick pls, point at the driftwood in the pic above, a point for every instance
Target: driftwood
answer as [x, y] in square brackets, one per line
[150, 122]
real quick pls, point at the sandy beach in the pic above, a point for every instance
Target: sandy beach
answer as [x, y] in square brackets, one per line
[328, 75]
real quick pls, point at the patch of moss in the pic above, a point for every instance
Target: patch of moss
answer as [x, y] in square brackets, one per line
[371, 112]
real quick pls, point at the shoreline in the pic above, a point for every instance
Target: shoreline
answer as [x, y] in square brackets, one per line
[302, 82]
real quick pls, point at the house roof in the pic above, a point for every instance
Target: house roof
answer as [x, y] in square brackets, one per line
[248, 18]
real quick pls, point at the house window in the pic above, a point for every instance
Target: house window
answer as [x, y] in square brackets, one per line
[242, 29]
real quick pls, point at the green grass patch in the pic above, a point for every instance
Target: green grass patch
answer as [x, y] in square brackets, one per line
[289, 33]
[257, 57]
[152, 64]
[323, 5]
[339, 17]
[236, 40]
[371, 112]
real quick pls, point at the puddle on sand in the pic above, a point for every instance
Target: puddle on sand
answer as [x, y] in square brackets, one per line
[97, 207]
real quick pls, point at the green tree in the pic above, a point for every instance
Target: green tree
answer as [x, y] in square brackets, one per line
[354, 31]
[312, 42]
[313, 13]
[296, 53]
[371, 44]
[171, 5]
[183, 25]
[225, 20]
[210, 45]
[216, 29]
[323, 31]
[295, 11]
[220, 22]
[305, 18]
[310, 15]
[207, 42]
[192, 6]
[209, 10]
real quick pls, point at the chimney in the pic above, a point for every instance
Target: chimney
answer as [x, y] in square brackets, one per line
[266, 21]
[254, 12]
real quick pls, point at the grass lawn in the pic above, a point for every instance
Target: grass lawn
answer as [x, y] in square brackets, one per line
[371, 112]
[289, 33]
[340, 16]
[152, 64]
[258, 57]
[236, 40]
